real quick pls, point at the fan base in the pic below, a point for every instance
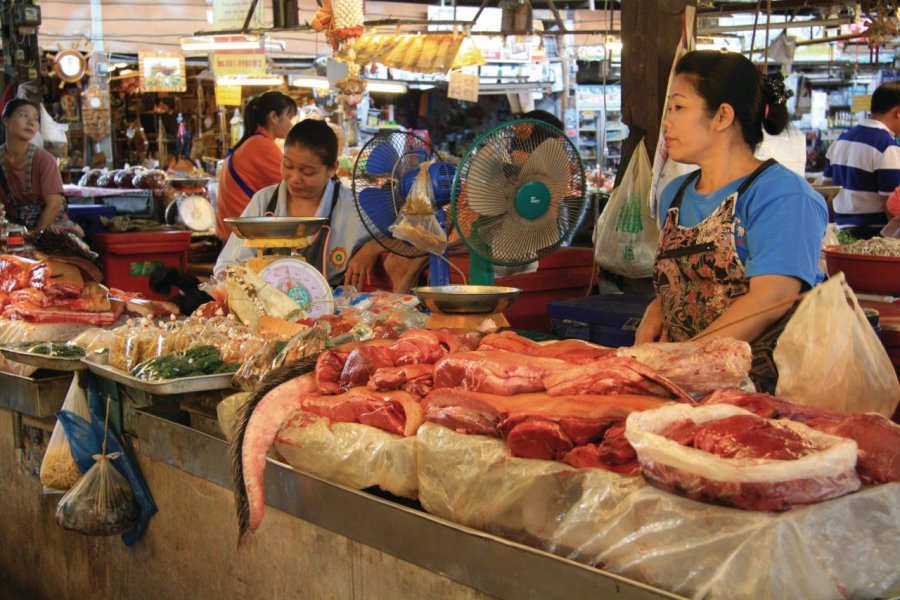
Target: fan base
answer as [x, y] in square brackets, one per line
[481, 321]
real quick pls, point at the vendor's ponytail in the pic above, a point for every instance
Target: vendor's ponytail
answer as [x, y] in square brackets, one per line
[259, 107]
[775, 117]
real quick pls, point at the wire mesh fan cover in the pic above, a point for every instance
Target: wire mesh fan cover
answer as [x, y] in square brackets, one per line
[383, 173]
[519, 192]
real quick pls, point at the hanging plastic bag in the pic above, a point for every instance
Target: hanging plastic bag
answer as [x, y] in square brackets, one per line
[101, 503]
[417, 223]
[626, 235]
[829, 356]
[59, 470]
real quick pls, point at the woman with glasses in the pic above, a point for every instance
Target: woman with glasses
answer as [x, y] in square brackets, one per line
[30, 183]
[309, 188]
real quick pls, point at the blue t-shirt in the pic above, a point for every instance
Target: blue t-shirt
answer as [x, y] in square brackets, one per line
[779, 222]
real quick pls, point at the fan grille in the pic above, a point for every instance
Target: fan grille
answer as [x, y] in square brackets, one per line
[491, 181]
[379, 187]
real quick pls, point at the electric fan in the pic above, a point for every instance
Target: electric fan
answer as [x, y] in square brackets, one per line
[383, 175]
[519, 192]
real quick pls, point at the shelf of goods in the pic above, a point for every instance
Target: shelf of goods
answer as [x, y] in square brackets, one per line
[596, 121]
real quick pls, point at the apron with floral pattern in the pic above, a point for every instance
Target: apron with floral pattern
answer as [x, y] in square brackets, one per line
[698, 274]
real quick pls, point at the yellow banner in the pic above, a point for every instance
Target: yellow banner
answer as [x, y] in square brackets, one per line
[239, 64]
[228, 95]
[861, 103]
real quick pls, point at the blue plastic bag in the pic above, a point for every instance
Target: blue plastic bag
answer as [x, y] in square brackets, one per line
[86, 440]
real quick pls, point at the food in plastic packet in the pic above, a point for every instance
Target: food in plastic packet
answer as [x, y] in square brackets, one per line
[228, 410]
[101, 503]
[152, 179]
[754, 465]
[140, 345]
[250, 297]
[125, 178]
[108, 179]
[416, 223]
[59, 471]
[91, 178]
[202, 360]
[257, 365]
[355, 455]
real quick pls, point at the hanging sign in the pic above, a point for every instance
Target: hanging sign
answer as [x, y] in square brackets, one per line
[95, 113]
[228, 95]
[230, 14]
[463, 86]
[861, 103]
[239, 64]
[162, 72]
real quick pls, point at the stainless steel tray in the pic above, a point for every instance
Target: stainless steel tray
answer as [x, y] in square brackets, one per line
[164, 387]
[34, 396]
[43, 361]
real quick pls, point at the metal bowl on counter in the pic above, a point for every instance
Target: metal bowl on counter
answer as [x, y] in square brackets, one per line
[249, 228]
[866, 274]
[466, 299]
[188, 183]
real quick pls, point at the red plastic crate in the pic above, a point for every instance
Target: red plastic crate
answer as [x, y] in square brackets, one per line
[130, 258]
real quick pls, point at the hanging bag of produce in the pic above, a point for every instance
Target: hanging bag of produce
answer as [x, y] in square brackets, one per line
[829, 356]
[626, 234]
[101, 503]
[59, 470]
[417, 223]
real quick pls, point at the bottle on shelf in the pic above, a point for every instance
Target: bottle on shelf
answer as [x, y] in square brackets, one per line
[237, 127]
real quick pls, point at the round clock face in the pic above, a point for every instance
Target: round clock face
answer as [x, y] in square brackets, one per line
[303, 283]
[71, 64]
[95, 102]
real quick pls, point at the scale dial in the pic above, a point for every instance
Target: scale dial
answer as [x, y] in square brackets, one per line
[303, 283]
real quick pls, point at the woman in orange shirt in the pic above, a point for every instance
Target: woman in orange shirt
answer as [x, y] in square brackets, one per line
[255, 161]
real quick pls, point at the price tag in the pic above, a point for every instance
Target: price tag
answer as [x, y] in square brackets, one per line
[861, 103]
[228, 95]
[463, 86]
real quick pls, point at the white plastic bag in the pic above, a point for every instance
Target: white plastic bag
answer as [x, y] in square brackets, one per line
[626, 235]
[58, 470]
[829, 356]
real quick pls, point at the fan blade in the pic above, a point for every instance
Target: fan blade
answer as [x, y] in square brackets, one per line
[549, 160]
[381, 159]
[488, 190]
[378, 206]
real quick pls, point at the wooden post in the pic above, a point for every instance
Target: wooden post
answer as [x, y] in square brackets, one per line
[650, 31]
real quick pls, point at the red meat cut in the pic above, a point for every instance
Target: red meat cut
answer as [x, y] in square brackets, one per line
[877, 439]
[742, 436]
[495, 372]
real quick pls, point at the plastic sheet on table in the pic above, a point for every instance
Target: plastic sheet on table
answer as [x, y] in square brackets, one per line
[846, 547]
[358, 456]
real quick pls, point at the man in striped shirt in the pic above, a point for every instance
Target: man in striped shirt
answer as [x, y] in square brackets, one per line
[865, 162]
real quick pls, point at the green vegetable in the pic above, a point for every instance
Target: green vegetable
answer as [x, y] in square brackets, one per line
[229, 367]
[203, 360]
[844, 237]
[55, 349]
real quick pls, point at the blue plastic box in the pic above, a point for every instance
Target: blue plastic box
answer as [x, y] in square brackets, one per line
[609, 320]
[88, 216]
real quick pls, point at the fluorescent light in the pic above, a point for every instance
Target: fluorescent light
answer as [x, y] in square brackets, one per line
[225, 42]
[386, 87]
[261, 80]
[309, 81]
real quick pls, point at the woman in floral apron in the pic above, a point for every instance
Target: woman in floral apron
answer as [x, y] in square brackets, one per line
[30, 184]
[738, 234]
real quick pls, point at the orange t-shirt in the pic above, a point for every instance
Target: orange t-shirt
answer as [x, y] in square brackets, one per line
[257, 163]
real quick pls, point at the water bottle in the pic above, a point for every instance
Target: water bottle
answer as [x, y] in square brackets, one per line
[237, 127]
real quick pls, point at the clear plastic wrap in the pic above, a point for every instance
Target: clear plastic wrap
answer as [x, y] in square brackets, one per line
[755, 484]
[846, 547]
[101, 503]
[58, 469]
[417, 224]
[228, 410]
[358, 456]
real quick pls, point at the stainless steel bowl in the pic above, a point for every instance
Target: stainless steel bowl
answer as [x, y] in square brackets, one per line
[275, 227]
[181, 183]
[466, 299]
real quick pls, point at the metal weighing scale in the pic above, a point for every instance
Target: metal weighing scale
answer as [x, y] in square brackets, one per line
[290, 274]
[465, 306]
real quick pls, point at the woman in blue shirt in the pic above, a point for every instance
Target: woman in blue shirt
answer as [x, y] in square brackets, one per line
[738, 234]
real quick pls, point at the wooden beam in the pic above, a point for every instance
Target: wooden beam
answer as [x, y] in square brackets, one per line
[650, 33]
